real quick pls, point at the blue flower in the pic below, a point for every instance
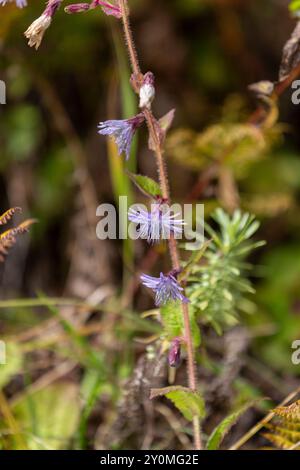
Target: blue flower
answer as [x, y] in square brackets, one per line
[19, 3]
[122, 131]
[157, 224]
[165, 287]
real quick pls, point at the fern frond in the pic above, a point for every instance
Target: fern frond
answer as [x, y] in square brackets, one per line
[290, 413]
[241, 143]
[9, 237]
[285, 431]
[279, 441]
[10, 234]
[4, 218]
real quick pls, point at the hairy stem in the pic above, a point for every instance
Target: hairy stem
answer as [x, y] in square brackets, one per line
[163, 178]
[128, 38]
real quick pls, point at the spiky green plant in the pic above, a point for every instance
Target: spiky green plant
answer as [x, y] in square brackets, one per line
[218, 287]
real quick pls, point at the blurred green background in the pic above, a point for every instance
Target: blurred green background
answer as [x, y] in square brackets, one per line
[74, 345]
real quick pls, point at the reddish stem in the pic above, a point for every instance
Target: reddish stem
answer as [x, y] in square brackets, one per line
[163, 178]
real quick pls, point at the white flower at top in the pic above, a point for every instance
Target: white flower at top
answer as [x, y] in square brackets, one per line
[147, 91]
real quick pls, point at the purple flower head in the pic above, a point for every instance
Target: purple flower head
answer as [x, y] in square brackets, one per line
[109, 8]
[122, 131]
[19, 3]
[157, 224]
[165, 287]
[174, 353]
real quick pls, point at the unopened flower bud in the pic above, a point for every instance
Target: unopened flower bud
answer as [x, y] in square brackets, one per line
[77, 8]
[111, 9]
[147, 91]
[174, 353]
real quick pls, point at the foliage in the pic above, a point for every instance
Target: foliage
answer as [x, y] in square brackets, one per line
[189, 403]
[147, 185]
[8, 238]
[218, 287]
[86, 333]
[220, 431]
[216, 274]
[284, 432]
[237, 144]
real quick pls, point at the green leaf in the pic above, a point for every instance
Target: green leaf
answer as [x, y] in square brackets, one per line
[171, 316]
[188, 402]
[172, 320]
[145, 184]
[218, 434]
[90, 391]
[159, 392]
[13, 358]
[120, 181]
[50, 416]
